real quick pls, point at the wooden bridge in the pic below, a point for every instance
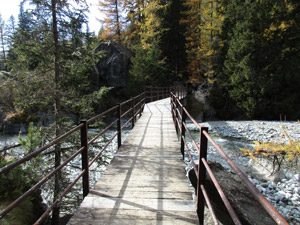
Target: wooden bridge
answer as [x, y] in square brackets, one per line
[145, 183]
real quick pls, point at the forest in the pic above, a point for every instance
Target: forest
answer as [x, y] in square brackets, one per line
[247, 52]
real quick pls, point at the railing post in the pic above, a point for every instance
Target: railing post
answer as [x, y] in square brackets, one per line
[119, 127]
[202, 174]
[141, 103]
[182, 131]
[151, 90]
[181, 92]
[166, 92]
[144, 101]
[186, 89]
[179, 89]
[145, 92]
[176, 115]
[157, 93]
[132, 111]
[172, 107]
[85, 157]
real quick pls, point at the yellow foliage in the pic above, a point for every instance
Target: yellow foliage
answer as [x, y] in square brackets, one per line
[150, 28]
[203, 22]
[277, 151]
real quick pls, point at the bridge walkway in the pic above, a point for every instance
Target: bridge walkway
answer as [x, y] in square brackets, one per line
[145, 183]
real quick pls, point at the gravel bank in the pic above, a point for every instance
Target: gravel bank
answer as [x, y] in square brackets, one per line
[281, 189]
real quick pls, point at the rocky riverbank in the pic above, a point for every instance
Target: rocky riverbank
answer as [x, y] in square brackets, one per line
[281, 189]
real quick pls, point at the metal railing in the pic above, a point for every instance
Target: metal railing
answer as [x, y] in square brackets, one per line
[180, 115]
[132, 107]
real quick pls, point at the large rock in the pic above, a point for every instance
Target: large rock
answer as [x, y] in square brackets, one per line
[114, 67]
[248, 210]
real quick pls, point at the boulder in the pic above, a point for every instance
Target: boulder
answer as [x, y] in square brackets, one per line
[113, 69]
[248, 210]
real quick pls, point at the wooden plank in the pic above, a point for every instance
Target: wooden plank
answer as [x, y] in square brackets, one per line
[142, 194]
[145, 183]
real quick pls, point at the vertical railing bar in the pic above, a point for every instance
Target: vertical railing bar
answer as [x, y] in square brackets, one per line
[132, 110]
[85, 157]
[144, 90]
[119, 127]
[179, 87]
[151, 90]
[141, 104]
[144, 101]
[202, 174]
[183, 116]
[176, 115]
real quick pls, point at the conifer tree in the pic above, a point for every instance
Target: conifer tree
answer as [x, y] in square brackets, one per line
[203, 21]
[148, 66]
[258, 76]
[114, 21]
[193, 38]
[172, 41]
[2, 39]
[52, 68]
[134, 11]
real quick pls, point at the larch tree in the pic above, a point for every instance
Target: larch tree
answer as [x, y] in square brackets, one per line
[114, 21]
[203, 21]
[147, 65]
[134, 11]
[210, 43]
[193, 39]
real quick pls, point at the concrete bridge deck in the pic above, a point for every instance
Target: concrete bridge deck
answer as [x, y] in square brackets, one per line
[145, 183]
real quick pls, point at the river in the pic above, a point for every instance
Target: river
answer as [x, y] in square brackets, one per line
[230, 145]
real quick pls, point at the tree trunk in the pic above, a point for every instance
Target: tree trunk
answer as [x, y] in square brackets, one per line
[3, 46]
[118, 22]
[57, 179]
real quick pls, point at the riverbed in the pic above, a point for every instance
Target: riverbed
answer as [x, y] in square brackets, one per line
[281, 189]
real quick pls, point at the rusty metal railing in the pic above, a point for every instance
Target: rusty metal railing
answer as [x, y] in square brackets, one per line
[127, 109]
[180, 114]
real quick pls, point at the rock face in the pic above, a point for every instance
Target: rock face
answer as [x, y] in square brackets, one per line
[201, 95]
[248, 210]
[114, 67]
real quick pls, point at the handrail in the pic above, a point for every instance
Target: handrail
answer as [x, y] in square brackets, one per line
[135, 105]
[203, 166]
[35, 153]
